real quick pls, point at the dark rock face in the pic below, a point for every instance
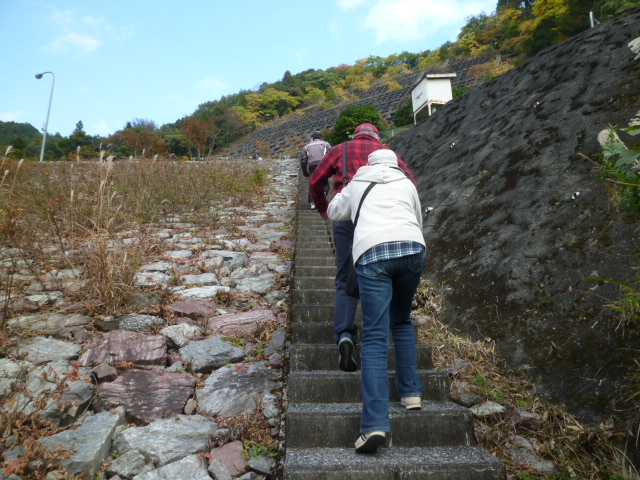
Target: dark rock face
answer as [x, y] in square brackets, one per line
[520, 218]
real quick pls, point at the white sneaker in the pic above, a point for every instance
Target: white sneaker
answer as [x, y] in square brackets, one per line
[411, 403]
[312, 206]
[370, 442]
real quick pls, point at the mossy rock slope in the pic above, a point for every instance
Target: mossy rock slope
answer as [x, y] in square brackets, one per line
[518, 218]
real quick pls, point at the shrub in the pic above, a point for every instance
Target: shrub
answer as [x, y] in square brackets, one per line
[353, 116]
[403, 115]
[620, 167]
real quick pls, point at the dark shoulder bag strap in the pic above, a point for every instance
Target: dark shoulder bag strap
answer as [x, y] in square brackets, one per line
[366, 192]
[345, 177]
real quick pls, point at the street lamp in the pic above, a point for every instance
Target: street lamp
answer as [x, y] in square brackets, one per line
[46, 123]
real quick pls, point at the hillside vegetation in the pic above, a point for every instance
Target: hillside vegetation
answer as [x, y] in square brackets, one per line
[516, 31]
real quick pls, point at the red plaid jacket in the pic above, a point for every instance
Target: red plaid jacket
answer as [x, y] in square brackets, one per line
[358, 151]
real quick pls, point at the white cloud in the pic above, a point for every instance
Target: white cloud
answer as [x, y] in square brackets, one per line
[301, 53]
[93, 22]
[75, 41]
[70, 19]
[210, 85]
[402, 20]
[11, 116]
[350, 4]
[84, 33]
[63, 17]
[100, 128]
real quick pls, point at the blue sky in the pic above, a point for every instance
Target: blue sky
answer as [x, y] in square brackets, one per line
[116, 60]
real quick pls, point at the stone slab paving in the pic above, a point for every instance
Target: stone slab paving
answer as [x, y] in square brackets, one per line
[143, 389]
[147, 395]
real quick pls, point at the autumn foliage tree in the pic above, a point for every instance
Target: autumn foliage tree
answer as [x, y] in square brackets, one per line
[140, 138]
[200, 133]
[271, 104]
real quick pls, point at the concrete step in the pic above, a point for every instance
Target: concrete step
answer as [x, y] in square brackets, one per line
[301, 261]
[324, 425]
[325, 357]
[317, 223]
[318, 332]
[305, 212]
[322, 386]
[303, 251]
[314, 242]
[312, 225]
[311, 235]
[315, 297]
[312, 313]
[315, 249]
[308, 282]
[313, 272]
[311, 232]
[436, 463]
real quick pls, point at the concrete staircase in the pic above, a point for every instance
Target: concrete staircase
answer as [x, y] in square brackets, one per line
[324, 406]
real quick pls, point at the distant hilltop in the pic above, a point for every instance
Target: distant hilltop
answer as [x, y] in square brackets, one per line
[287, 136]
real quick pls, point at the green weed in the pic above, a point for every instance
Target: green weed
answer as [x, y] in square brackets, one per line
[254, 449]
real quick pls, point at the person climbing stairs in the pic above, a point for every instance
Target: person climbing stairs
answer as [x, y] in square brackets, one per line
[324, 403]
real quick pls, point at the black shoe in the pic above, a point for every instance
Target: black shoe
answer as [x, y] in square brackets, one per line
[347, 360]
[370, 442]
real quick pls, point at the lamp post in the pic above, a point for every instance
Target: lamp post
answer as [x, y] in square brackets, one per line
[46, 123]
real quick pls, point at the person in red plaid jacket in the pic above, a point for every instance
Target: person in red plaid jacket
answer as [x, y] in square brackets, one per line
[366, 139]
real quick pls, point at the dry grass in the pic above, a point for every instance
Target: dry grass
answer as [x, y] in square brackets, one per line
[37, 462]
[65, 206]
[254, 432]
[20, 428]
[73, 216]
[578, 451]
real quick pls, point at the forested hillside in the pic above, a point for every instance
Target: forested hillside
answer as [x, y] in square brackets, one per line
[20, 136]
[516, 31]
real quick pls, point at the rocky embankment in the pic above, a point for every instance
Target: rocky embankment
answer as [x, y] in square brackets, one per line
[517, 219]
[154, 390]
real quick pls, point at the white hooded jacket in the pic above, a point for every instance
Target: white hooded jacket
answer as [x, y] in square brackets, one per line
[390, 212]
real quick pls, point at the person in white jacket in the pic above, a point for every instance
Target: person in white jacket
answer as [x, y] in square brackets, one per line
[389, 256]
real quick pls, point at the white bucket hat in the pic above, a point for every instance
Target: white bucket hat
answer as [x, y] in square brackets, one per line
[383, 156]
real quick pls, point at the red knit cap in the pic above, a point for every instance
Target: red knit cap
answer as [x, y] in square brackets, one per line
[366, 129]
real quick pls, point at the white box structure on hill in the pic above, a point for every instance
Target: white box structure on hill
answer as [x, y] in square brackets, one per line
[432, 90]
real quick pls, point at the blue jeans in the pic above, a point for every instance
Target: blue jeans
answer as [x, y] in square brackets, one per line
[344, 311]
[386, 292]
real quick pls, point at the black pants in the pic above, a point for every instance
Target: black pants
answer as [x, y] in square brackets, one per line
[311, 169]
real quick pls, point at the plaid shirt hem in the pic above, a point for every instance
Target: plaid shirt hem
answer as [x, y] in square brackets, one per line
[390, 250]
